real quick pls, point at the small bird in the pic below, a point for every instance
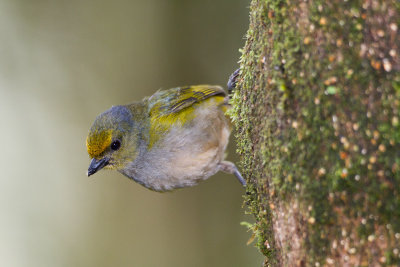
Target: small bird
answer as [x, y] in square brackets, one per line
[173, 139]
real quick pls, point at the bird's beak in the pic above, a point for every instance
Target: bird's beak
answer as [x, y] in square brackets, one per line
[96, 165]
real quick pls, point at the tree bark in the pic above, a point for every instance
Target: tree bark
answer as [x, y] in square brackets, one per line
[318, 129]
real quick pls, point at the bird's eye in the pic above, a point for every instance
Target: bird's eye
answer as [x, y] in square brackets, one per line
[116, 145]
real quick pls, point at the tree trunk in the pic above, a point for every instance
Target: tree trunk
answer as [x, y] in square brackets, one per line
[318, 129]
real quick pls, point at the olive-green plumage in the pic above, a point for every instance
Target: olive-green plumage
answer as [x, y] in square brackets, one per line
[173, 139]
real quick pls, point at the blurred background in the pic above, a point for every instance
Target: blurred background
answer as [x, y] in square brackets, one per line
[61, 64]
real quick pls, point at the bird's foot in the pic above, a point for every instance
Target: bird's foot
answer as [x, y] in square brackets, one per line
[232, 81]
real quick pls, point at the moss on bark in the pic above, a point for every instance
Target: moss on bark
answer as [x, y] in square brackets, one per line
[318, 122]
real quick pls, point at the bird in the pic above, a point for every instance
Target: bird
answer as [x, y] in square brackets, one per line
[173, 139]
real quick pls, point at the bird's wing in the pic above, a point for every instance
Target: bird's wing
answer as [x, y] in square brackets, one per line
[176, 106]
[174, 100]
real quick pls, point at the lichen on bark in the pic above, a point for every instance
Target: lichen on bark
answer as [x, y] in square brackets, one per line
[317, 116]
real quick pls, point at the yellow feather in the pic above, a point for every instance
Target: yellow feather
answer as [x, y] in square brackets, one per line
[161, 124]
[97, 142]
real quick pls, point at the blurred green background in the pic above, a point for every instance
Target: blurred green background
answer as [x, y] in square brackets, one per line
[61, 64]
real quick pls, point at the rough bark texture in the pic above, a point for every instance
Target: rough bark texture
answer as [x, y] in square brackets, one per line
[317, 115]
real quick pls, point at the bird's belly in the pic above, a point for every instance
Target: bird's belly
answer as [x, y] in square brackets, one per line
[186, 156]
[181, 170]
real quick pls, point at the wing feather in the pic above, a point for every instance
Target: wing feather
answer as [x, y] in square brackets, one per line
[175, 106]
[173, 100]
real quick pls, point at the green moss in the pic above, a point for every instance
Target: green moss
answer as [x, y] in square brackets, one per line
[319, 120]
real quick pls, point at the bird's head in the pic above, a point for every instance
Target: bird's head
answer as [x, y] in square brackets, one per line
[111, 143]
